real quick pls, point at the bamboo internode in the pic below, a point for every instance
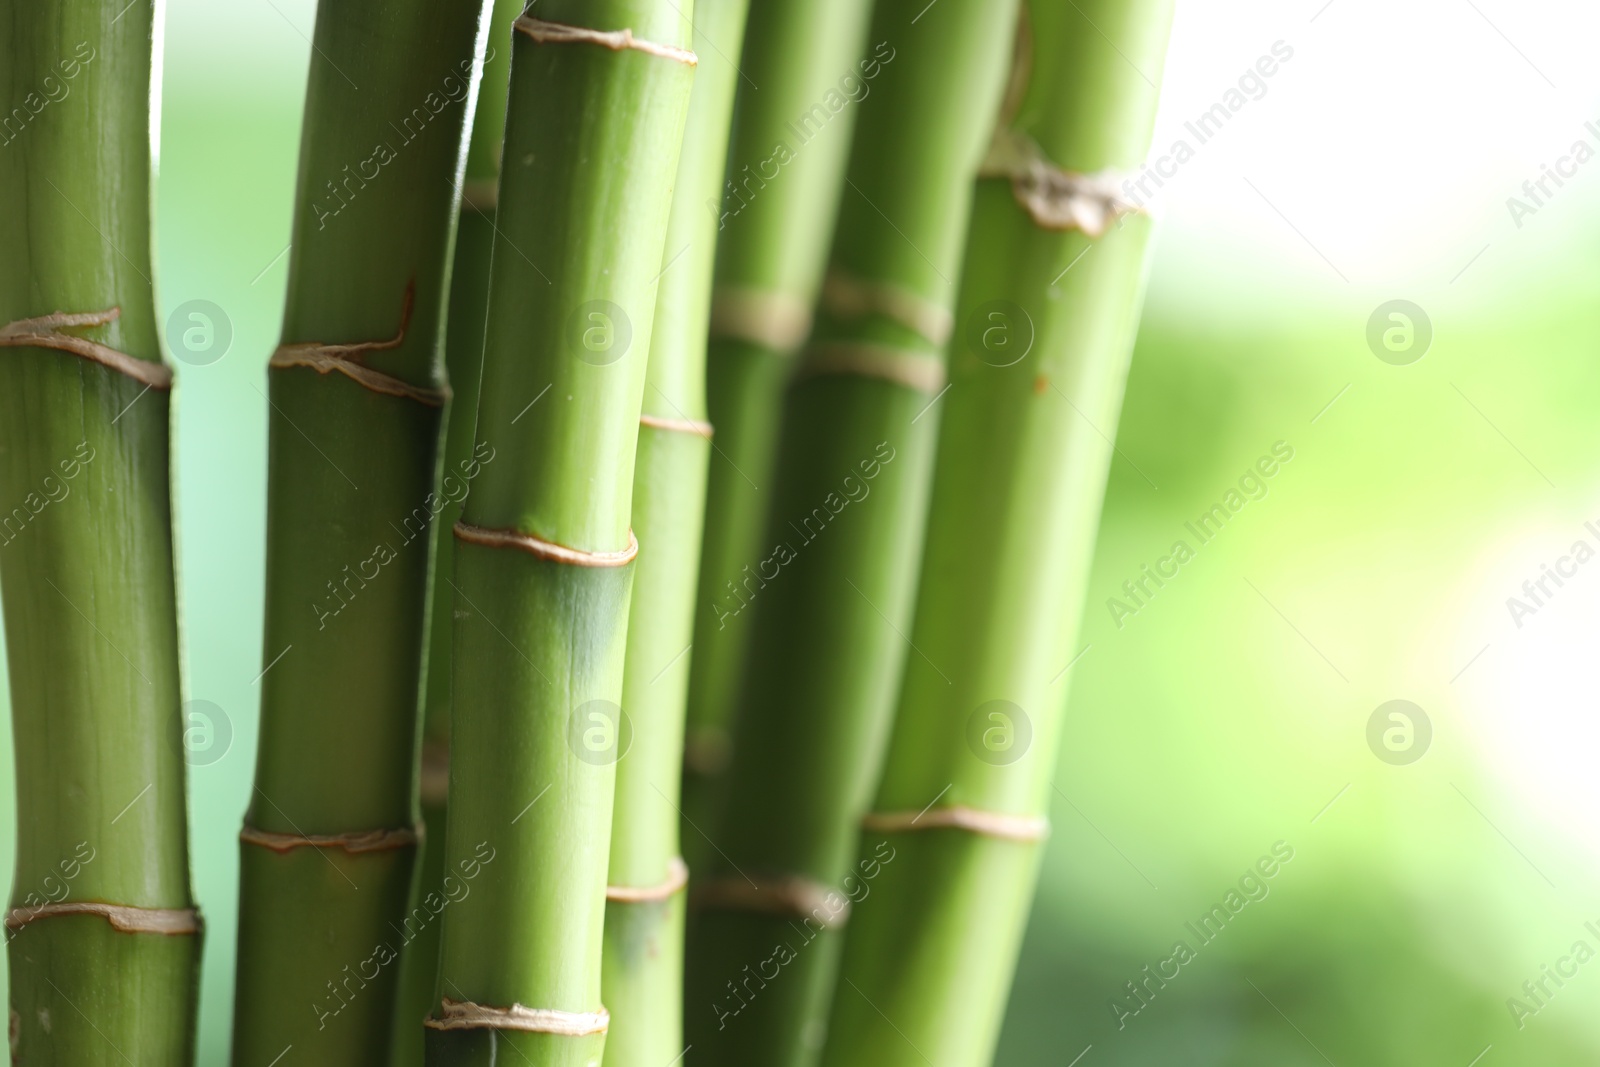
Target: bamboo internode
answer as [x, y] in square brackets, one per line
[826, 645]
[103, 938]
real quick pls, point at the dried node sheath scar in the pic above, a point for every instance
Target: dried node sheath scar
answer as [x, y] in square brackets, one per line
[959, 817]
[49, 331]
[350, 360]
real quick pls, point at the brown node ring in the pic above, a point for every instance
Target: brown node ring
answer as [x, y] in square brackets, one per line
[465, 1015]
[355, 843]
[677, 878]
[1055, 198]
[350, 360]
[998, 824]
[46, 331]
[480, 194]
[849, 297]
[434, 786]
[617, 40]
[791, 896]
[761, 317]
[122, 917]
[921, 371]
[661, 422]
[546, 550]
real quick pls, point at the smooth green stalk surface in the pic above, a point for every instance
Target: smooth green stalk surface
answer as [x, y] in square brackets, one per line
[352, 495]
[832, 592]
[86, 558]
[469, 298]
[804, 74]
[1037, 372]
[643, 966]
[592, 143]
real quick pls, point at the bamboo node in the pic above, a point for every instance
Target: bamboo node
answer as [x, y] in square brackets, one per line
[1056, 199]
[465, 1015]
[960, 817]
[760, 316]
[123, 917]
[847, 296]
[546, 550]
[355, 843]
[349, 360]
[617, 40]
[480, 194]
[922, 371]
[660, 422]
[435, 784]
[791, 896]
[706, 749]
[46, 331]
[677, 878]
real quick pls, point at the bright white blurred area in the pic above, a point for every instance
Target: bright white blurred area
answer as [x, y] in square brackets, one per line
[1391, 140]
[1378, 162]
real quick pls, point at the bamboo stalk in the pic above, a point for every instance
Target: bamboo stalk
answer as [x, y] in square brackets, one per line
[469, 298]
[833, 595]
[103, 939]
[356, 393]
[774, 217]
[642, 972]
[1037, 378]
[598, 97]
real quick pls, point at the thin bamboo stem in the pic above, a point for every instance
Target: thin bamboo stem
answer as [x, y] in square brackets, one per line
[463, 460]
[775, 212]
[642, 974]
[832, 596]
[356, 394]
[1037, 375]
[598, 97]
[103, 939]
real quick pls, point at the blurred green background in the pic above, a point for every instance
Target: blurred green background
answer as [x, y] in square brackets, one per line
[1231, 712]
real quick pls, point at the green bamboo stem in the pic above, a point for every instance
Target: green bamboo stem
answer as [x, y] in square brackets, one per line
[775, 212]
[642, 972]
[1023, 456]
[469, 299]
[329, 844]
[833, 595]
[594, 124]
[103, 939]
